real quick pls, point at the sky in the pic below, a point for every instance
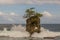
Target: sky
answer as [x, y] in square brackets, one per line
[12, 11]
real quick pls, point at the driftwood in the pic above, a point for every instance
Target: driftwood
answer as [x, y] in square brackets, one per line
[33, 25]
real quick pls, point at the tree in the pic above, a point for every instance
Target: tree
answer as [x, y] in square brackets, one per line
[30, 12]
[33, 21]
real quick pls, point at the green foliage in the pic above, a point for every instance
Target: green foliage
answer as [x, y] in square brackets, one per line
[38, 14]
[31, 12]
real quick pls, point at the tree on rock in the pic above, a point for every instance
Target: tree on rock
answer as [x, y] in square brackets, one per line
[32, 21]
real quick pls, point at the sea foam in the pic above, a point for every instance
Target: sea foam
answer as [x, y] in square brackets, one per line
[19, 31]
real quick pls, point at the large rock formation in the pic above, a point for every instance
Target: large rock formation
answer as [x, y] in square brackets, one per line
[33, 24]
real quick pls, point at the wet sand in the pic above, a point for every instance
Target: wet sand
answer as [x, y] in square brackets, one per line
[24, 38]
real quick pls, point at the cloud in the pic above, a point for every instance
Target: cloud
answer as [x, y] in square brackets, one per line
[13, 17]
[47, 14]
[29, 2]
[46, 1]
[10, 19]
[9, 16]
[13, 14]
[1, 13]
[50, 18]
[6, 1]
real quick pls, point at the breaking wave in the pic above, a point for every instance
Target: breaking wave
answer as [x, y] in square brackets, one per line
[19, 31]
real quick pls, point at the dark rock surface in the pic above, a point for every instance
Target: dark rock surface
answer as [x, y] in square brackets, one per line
[33, 24]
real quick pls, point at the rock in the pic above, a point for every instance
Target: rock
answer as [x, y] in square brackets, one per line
[33, 24]
[57, 38]
[49, 37]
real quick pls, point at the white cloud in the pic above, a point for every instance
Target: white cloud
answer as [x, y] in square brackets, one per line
[9, 16]
[47, 14]
[10, 19]
[13, 14]
[29, 1]
[1, 13]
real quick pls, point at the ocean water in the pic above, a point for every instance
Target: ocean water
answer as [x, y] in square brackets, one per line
[17, 32]
[52, 27]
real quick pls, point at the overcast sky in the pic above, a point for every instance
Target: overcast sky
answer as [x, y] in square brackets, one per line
[12, 11]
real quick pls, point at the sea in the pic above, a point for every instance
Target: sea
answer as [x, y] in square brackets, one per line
[48, 32]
